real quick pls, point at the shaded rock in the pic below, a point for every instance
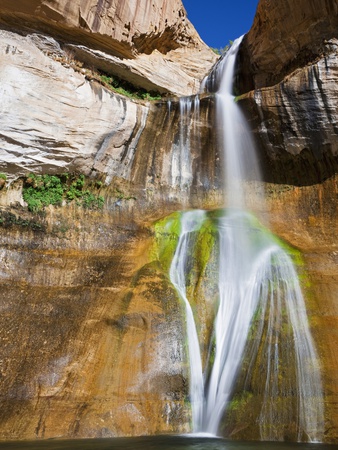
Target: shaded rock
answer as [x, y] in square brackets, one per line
[174, 74]
[296, 125]
[286, 35]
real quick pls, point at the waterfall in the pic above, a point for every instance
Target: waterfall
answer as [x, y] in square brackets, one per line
[190, 223]
[181, 164]
[260, 311]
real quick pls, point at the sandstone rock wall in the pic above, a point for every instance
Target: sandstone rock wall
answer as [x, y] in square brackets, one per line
[88, 314]
[295, 122]
[131, 27]
[52, 115]
[130, 37]
[55, 120]
[91, 333]
[286, 35]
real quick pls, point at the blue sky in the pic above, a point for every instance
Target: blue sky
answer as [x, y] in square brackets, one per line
[218, 21]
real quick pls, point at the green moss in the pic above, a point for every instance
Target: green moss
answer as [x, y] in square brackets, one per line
[3, 176]
[240, 401]
[167, 232]
[120, 195]
[205, 243]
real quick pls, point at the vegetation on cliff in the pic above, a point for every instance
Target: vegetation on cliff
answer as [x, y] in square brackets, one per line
[3, 179]
[43, 190]
[124, 88]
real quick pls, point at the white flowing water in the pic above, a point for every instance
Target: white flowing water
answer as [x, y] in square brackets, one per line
[259, 294]
[190, 223]
[181, 164]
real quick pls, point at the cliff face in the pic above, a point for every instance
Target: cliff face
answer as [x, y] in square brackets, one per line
[295, 122]
[291, 103]
[69, 116]
[75, 124]
[286, 35]
[120, 27]
[151, 44]
[93, 334]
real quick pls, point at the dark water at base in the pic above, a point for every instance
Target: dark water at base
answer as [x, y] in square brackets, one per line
[157, 442]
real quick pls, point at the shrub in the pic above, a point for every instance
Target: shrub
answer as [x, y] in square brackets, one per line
[43, 190]
[3, 179]
[124, 88]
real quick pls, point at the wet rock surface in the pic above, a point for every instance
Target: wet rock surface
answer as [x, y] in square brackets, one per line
[92, 333]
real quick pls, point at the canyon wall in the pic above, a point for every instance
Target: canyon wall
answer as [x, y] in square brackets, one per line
[286, 35]
[295, 122]
[150, 44]
[93, 334]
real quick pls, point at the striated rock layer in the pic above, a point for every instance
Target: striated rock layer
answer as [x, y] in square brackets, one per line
[78, 125]
[91, 333]
[68, 115]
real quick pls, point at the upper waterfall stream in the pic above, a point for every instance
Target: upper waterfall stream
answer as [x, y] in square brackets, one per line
[260, 327]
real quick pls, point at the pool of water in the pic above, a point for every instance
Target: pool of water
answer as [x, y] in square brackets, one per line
[157, 442]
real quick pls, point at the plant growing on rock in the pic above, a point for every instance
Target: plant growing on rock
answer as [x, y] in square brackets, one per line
[124, 88]
[43, 190]
[3, 179]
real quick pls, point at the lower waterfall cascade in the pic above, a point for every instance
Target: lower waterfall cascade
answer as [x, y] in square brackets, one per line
[260, 323]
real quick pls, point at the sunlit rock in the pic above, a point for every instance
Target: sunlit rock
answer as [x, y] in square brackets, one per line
[151, 44]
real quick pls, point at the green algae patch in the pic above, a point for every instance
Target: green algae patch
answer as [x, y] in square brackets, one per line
[204, 246]
[167, 233]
